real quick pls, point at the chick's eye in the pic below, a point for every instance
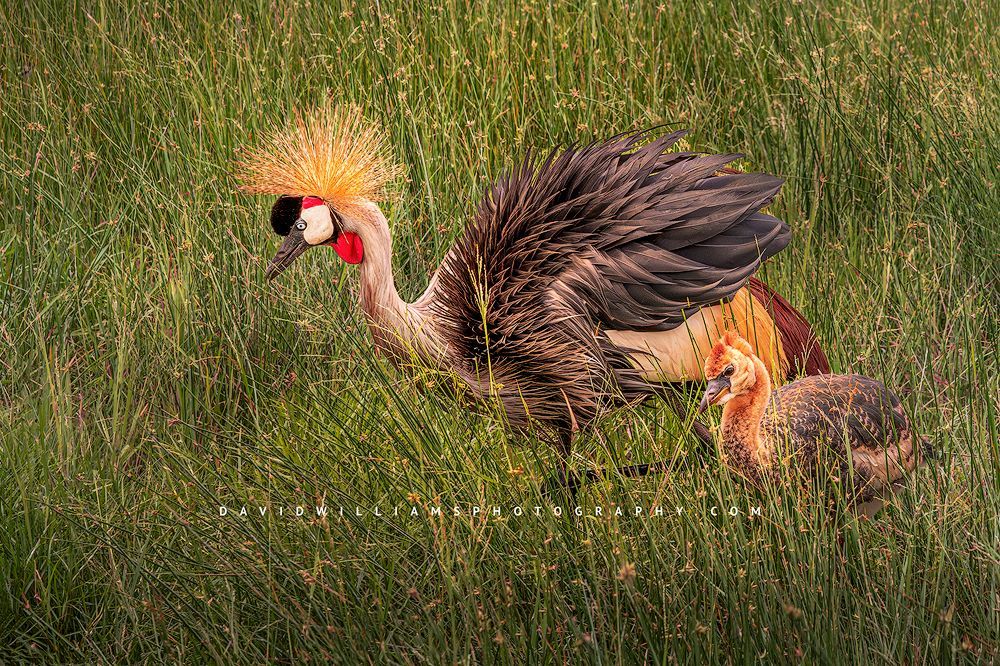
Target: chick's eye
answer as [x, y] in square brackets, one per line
[729, 371]
[300, 225]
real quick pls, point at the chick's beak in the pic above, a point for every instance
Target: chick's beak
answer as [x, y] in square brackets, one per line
[292, 247]
[715, 388]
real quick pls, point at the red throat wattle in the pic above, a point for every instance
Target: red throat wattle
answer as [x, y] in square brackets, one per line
[349, 247]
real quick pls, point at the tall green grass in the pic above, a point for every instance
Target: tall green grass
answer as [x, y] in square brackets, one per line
[150, 375]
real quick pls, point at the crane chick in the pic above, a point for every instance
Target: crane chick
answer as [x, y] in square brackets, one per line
[849, 426]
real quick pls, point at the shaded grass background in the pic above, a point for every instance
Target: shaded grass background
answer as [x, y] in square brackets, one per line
[149, 374]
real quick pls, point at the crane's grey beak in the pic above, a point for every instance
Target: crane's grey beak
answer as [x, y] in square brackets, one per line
[292, 247]
[713, 390]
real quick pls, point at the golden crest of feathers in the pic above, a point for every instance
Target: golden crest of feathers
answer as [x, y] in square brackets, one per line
[331, 153]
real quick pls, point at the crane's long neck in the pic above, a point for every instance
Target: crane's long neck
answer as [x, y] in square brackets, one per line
[742, 439]
[398, 327]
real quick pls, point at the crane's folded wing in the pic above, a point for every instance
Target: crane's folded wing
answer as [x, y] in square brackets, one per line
[643, 236]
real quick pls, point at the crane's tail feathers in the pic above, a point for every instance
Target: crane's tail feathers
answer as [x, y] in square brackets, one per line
[802, 350]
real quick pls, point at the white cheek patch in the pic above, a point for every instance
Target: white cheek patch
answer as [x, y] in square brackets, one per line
[319, 225]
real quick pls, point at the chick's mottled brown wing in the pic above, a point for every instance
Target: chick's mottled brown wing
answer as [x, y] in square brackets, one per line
[851, 409]
[857, 419]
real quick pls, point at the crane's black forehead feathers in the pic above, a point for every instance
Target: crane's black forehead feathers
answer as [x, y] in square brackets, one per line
[284, 213]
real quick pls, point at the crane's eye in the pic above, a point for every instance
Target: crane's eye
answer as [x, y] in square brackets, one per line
[300, 225]
[728, 372]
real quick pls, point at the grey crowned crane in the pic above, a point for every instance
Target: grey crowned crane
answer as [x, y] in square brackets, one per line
[588, 280]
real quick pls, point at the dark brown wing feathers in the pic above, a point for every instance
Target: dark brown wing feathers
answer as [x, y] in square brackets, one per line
[615, 235]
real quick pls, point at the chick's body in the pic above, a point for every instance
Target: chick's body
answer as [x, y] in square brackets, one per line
[849, 424]
[849, 428]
